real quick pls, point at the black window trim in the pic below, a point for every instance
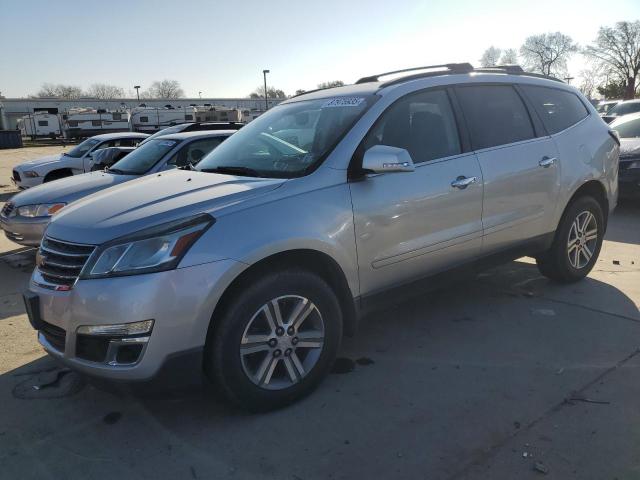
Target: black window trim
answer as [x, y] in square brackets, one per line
[537, 132]
[586, 107]
[354, 170]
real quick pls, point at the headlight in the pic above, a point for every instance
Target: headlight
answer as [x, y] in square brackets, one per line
[634, 165]
[152, 250]
[41, 210]
[30, 174]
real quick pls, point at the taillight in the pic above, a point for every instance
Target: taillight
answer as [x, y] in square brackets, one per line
[615, 136]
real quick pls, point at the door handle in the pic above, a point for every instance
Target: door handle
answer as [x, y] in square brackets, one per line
[547, 161]
[463, 182]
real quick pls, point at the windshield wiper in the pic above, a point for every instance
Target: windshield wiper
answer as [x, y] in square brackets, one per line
[240, 171]
[117, 171]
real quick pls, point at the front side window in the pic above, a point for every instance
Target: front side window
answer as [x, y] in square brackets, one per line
[288, 140]
[79, 150]
[495, 115]
[627, 127]
[558, 109]
[144, 157]
[195, 151]
[422, 123]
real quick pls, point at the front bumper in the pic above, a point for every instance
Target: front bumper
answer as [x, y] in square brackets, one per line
[180, 302]
[25, 231]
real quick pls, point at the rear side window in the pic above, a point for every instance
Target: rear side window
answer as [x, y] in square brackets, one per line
[421, 123]
[495, 115]
[557, 109]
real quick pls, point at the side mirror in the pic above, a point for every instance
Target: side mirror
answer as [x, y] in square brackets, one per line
[386, 159]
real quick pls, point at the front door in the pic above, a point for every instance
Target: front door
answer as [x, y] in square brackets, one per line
[411, 224]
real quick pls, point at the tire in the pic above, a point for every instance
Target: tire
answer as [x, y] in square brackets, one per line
[264, 380]
[567, 260]
[55, 175]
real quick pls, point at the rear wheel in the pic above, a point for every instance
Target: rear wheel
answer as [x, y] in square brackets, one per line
[275, 340]
[577, 242]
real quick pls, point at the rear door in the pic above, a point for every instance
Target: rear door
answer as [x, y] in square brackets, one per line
[410, 224]
[518, 162]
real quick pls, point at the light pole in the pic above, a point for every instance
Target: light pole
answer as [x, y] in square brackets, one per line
[137, 87]
[266, 102]
[568, 79]
[200, 95]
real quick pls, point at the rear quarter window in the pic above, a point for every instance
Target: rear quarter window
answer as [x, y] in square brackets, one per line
[558, 109]
[495, 115]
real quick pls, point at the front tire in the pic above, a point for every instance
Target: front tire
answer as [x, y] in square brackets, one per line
[577, 242]
[275, 340]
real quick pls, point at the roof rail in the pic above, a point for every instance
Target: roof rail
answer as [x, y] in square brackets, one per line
[451, 67]
[515, 70]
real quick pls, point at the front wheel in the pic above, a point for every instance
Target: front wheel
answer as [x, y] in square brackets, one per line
[577, 242]
[275, 340]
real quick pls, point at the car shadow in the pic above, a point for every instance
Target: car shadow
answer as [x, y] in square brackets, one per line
[448, 373]
[626, 214]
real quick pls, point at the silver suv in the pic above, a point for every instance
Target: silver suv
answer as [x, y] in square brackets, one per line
[251, 267]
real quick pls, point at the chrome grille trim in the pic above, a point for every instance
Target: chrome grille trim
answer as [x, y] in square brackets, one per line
[60, 263]
[7, 209]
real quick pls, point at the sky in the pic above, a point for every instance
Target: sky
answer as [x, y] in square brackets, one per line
[220, 48]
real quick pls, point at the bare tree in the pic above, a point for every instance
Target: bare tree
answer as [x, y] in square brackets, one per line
[168, 89]
[60, 91]
[272, 92]
[618, 50]
[331, 84]
[300, 91]
[490, 57]
[509, 57]
[104, 91]
[548, 53]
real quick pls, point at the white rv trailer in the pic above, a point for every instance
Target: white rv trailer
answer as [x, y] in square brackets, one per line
[85, 122]
[216, 113]
[249, 115]
[40, 125]
[152, 119]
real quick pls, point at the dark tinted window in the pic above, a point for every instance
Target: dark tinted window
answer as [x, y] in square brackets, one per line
[557, 108]
[43, 123]
[96, 123]
[193, 152]
[117, 116]
[422, 123]
[144, 119]
[625, 108]
[495, 115]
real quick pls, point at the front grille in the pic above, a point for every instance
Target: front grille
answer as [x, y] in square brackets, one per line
[7, 209]
[16, 175]
[56, 336]
[60, 263]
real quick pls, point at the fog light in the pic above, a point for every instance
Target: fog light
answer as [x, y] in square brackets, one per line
[119, 330]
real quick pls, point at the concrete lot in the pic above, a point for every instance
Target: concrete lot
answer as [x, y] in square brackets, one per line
[504, 376]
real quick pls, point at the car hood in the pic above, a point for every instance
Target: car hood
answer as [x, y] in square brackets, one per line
[69, 189]
[629, 147]
[153, 200]
[39, 162]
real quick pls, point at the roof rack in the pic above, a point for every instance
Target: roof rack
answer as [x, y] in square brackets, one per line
[451, 67]
[514, 70]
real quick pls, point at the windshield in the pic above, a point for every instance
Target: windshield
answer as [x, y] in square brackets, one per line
[625, 108]
[288, 140]
[79, 150]
[627, 128]
[144, 157]
[167, 131]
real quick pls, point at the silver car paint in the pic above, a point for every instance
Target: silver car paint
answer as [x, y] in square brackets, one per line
[375, 239]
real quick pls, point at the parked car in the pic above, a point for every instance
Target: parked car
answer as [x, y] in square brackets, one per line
[622, 108]
[628, 128]
[106, 157]
[196, 127]
[604, 106]
[252, 267]
[75, 161]
[26, 215]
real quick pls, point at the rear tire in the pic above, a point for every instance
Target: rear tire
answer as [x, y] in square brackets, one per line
[293, 352]
[576, 244]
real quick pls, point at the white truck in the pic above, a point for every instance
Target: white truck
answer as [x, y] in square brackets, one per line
[40, 125]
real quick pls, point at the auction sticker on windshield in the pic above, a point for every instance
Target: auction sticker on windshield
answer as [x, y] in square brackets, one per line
[343, 102]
